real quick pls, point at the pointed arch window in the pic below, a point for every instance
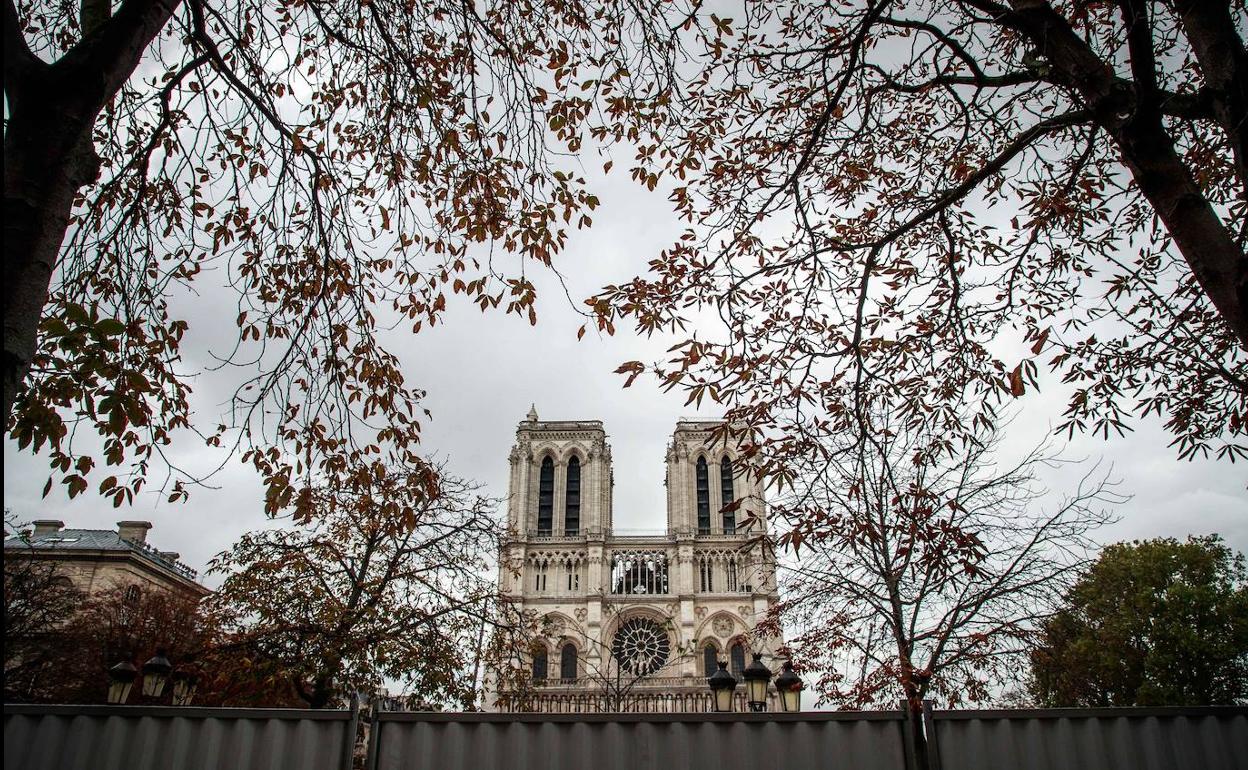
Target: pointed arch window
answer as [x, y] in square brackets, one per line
[710, 659]
[572, 500]
[726, 494]
[546, 497]
[704, 498]
[539, 664]
[567, 662]
[738, 659]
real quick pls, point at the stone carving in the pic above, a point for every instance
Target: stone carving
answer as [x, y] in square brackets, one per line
[723, 626]
[700, 612]
[581, 614]
[554, 625]
[672, 608]
[744, 611]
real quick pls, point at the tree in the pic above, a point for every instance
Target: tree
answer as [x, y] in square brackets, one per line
[353, 597]
[339, 166]
[1151, 623]
[38, 600]
[108, 627]
[923, 572]
[930, 202]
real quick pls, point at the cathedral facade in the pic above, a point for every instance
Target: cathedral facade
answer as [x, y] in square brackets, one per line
[633, 620]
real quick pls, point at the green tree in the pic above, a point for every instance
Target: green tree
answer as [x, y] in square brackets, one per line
[1152, 623]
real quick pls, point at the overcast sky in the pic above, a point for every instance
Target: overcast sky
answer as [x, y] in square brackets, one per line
[482, 371]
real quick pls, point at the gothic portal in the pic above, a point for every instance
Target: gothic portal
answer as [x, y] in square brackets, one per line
[633, 620]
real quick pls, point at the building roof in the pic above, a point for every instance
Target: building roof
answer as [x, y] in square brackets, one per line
[101, 540]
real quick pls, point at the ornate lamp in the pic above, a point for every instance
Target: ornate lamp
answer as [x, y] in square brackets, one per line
[756, 676]
[120, 680]
[789, 685]
[184, 684]
[722, 685]
[155, 674]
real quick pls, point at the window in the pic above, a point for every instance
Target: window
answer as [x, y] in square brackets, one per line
[539, 664]
[133, 593]
[710, 659]
[725, 486]
[573, 568]
[546, 497]
[704, 499]
[738, 659]
[731, 569]
[572, 500]
[639, 572]
[567, 662]
[539, 575]
[706, 571]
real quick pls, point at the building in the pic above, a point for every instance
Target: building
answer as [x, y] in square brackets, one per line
[98, 560]
[632, 620]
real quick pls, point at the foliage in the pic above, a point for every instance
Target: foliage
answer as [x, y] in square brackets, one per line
[353, 598]
[37, 601]
[109, 627]
[1152, 623]
[918, 573]
[340, 166]
[931, 203]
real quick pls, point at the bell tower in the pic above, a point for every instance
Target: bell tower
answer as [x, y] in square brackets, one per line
[561, 480]
[704, 474]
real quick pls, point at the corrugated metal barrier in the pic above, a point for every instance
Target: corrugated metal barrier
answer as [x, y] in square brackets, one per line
[152, 738]
[1095, 739]
[175, 738]
[415, 741]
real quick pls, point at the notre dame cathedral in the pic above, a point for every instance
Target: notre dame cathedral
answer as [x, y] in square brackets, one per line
[632, 620]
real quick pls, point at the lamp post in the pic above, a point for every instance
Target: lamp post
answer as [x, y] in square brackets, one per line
[789, 685]
[722, 685]
[120, 680]
[756, 676]
[184, 684]
[155, 674]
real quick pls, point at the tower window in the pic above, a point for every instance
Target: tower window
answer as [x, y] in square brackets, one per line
[710, 660]
[706, 572]
[725, 486]
[738, 659]
[567, 663]
[704, 498]
[539, 664]
[572, 502]
[546, 497]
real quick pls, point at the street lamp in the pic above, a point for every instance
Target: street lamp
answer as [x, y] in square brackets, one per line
[184, 684]
[722, 685]
[756, 675]
[789, 685]
[155, 674]
[120, 680]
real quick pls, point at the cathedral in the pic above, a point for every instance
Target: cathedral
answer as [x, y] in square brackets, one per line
[632, 620]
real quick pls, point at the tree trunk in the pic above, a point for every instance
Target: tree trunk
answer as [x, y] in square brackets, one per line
[1204, 240]
[49, 155]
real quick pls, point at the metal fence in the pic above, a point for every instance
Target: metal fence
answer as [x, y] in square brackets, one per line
[414, 741]
[176, 738]
[1096, 739]
[143, 738]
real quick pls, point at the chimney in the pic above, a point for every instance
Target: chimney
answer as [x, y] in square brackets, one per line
[134, 531]
[46, 527]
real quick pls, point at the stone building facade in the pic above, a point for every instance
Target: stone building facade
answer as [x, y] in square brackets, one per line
[98, 560]
[628, 619]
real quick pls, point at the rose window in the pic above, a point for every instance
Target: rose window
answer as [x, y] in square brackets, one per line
[641, 646]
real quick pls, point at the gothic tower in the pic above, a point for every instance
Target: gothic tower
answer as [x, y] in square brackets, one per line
[632, 619]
